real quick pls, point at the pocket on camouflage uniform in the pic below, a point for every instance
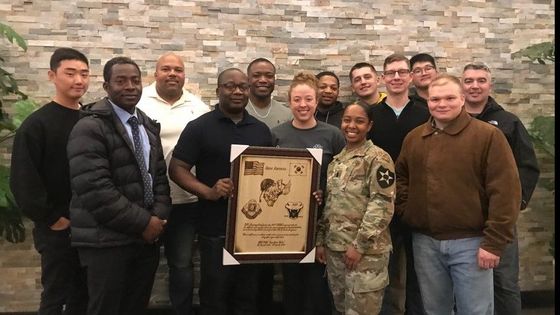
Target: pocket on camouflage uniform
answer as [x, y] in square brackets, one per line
[370, 281]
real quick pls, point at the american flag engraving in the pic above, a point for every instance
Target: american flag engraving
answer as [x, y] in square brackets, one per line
[253, 168]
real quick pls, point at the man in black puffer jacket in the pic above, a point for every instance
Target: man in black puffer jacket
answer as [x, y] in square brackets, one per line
[120, 194]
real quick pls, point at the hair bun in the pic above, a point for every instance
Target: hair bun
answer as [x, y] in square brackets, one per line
[306, 77]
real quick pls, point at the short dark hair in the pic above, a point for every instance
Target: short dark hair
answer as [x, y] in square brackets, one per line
[260, 60]
[221, 75]
[422, 57]
[365, 107]
[394, 58]
[66, 53]
[108, 68]
[328, 73]
[360, 65]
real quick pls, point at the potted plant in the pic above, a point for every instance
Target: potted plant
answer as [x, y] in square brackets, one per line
[542, 127]
[11, 224]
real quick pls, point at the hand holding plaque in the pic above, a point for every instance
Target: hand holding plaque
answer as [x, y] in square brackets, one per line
[272, 213]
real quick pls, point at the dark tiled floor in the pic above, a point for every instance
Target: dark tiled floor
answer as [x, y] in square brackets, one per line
[534, 303]
[530, 311]
[538, 311]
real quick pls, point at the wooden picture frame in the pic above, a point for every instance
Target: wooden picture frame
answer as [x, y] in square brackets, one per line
[272, 214]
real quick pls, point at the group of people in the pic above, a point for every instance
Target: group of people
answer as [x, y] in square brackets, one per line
[419, 192]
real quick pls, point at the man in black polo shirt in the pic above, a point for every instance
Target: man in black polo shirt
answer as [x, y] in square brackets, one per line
[393, 118]
[205, 144]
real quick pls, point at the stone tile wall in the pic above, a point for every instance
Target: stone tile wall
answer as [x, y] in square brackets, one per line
[296, 35]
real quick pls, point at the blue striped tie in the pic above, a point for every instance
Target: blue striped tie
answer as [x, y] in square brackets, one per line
[138, 152]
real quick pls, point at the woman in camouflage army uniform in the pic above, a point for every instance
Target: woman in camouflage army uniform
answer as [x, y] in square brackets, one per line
[353, 237]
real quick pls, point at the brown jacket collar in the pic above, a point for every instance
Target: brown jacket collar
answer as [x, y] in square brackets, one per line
[455, 127]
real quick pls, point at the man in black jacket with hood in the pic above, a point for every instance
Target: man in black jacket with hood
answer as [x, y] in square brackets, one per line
[477, 84]
[329, 109]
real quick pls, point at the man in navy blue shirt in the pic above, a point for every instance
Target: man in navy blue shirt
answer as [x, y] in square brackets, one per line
[205, 144]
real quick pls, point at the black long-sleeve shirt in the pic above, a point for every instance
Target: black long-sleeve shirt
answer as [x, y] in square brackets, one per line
[388, 130]
[39, 177]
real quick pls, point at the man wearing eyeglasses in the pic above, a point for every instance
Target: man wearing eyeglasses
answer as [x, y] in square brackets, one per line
[424, 71]
[392, 120]
[477, 84]
[205, 143]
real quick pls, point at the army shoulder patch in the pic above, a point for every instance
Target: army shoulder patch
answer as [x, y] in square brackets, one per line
[385, 178]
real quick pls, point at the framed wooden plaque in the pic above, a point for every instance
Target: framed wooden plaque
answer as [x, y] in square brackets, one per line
[272, 214]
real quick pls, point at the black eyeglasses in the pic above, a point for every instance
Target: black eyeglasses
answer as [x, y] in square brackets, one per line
[419, 71]
[231, 87]
[391, 73]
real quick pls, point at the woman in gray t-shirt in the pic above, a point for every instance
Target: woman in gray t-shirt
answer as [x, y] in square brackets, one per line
[305, 285]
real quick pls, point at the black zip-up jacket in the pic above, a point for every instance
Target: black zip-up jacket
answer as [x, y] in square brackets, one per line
[388, 130]
[332, 115]
[107, 207]
[520, 143]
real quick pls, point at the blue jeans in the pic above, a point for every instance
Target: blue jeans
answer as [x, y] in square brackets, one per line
[178, 244]
[448, 274]
[225, 290]
[507, 296]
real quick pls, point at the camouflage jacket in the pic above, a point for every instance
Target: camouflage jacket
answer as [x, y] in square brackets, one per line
[359, 201]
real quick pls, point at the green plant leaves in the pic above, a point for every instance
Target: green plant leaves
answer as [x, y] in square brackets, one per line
[22, 109]
[11, 223]
[8, 84]
[542, 132]
[11, 35]
[538, 52]
[4, 186]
